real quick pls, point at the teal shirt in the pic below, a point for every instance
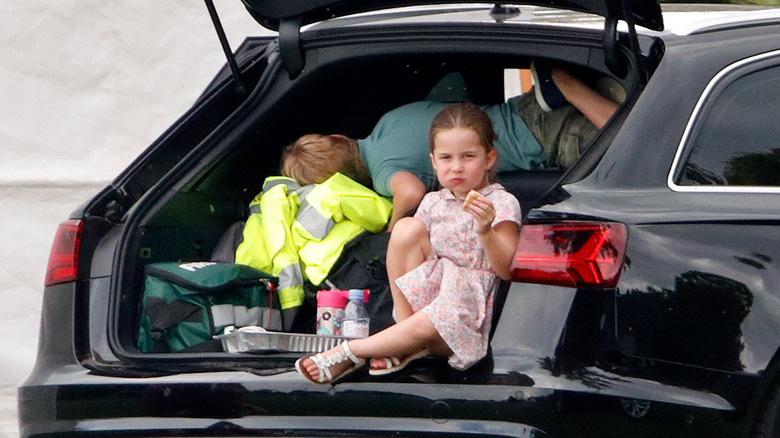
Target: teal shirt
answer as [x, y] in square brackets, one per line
[399, 142]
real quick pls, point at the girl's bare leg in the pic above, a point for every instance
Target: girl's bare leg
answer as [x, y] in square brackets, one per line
[405, 337]
[409, 246]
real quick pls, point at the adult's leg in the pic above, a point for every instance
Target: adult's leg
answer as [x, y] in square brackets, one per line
[408, 247]
[597, 108]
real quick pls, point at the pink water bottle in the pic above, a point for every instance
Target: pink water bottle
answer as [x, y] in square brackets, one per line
[330, 312]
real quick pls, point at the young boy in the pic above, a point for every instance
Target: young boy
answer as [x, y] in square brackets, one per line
[394, 157]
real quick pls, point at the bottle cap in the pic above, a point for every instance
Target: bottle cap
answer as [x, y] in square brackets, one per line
[356, 294]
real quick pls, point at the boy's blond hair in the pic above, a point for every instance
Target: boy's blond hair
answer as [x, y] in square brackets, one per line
[314, 158]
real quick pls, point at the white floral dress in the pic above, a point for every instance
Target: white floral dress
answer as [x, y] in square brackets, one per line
[454, 286]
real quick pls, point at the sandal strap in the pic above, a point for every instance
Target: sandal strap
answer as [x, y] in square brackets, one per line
[348, 352]
[323, 367]
[389, 361]
[324, 363]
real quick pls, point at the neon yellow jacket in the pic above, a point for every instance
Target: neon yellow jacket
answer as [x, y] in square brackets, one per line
[298, 233]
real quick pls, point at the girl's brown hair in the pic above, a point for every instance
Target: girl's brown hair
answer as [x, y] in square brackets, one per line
[314, 158]
[464, 115]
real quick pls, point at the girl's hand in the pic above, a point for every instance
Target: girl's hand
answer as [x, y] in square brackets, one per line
[483, 212]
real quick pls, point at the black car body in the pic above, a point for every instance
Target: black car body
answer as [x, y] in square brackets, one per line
[678, 198]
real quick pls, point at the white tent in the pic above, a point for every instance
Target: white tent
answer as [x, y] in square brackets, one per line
[86, 86]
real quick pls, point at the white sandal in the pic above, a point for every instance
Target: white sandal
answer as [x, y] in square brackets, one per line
[323, 363]
[394, 364]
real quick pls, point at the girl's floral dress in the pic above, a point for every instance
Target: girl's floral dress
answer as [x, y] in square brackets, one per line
[454, 286]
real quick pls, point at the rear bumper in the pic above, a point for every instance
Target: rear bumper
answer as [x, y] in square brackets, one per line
[75, 402]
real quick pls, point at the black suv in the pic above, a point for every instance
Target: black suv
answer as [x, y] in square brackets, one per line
[645, 300]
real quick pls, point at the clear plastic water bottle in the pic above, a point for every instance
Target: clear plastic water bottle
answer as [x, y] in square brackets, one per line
[356, 319]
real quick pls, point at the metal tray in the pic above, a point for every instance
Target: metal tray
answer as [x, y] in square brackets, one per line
[258, 340]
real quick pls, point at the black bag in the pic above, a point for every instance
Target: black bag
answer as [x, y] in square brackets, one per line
[362, 266]
[185, 304]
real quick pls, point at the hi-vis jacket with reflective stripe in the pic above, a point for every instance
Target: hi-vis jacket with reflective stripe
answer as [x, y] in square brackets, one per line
[298, 233]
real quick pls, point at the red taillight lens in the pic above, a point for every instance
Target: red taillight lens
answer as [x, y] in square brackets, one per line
[64, 256]
[574, 254]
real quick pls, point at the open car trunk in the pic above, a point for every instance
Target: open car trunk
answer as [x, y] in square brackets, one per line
[343, 89]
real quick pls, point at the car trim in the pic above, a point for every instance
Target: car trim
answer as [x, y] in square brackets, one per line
[271, 13]
[715, 81]
[303, 426]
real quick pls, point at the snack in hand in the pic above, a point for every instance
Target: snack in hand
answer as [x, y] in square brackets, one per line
[469, 199]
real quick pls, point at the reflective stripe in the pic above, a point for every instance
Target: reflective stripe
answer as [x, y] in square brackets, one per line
[290, 289]
[255, 209]
[272, 319]
[290, 276]
[304, 191]
[243, 316]
[273, 182]
[313, 221]
[222, 315]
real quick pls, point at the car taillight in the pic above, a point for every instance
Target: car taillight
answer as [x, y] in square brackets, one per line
[574, 254]
[64, 256]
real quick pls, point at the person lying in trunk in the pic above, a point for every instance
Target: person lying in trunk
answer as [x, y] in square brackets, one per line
[545, 129]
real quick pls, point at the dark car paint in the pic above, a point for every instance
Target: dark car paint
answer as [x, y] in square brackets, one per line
[563, 360]
[695, 261]
[698, 58]
[708, 300]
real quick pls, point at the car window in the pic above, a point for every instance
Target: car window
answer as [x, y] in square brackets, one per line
[736, 140]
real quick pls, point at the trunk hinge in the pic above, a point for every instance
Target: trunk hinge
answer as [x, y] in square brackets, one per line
[231, 60]
[290, 46]
[613, 57]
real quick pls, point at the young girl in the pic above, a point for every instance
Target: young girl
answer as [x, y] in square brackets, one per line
[444, 262]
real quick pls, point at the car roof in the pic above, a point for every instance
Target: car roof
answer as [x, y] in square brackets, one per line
[690, 19]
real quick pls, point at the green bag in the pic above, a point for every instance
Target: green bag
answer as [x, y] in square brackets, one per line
[185, 304]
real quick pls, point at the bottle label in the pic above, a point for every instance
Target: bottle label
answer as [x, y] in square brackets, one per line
[354, 329]
[329, 320]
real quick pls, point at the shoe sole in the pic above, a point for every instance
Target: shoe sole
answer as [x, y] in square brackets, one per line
[538, 92]
[403, 363]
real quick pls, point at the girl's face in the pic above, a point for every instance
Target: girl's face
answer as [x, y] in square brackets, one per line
[460, 161]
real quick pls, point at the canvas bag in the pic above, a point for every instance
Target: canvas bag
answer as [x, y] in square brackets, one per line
[185, 304]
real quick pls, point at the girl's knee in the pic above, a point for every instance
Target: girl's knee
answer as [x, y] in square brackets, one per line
[408, 247]
[409, 234]
[408, 229]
